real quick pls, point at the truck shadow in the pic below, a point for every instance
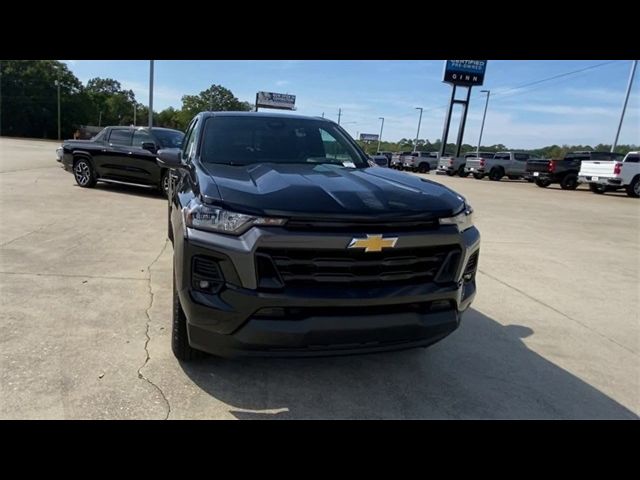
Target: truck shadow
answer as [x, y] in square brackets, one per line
[483, 370]
[129, 190]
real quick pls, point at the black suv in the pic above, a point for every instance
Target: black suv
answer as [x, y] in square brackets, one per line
[121, 155]
[287, 242]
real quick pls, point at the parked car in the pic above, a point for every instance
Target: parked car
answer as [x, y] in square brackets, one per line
[452, 165]
[511, 164]
[397, 159]
[288, 243]
[610, 175]
[121, 155]
[422, 162]
[386, 154]
[565, 171]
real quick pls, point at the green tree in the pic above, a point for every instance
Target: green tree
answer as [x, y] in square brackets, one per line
[215, 98]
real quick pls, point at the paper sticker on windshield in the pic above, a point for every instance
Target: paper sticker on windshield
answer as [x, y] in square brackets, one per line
[349, 164]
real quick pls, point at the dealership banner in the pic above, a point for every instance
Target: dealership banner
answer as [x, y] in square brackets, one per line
[468, 73]
[369, 137]
[282, 101]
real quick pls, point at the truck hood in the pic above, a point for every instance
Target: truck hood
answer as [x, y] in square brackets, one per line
[301, 190]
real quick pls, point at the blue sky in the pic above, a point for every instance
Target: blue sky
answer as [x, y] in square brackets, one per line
[582, 108]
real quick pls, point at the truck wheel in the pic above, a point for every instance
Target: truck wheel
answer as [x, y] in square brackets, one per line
[462, 173]
[496, 174]
[450, 173]
[633, 189]
[164, 183]
[423, 168]
[569, 182]
[179, 338]
[543, 183]
[83, 173]
[478, 176]
[597, 188]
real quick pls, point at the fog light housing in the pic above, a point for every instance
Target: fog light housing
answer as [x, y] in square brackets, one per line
[206, 275]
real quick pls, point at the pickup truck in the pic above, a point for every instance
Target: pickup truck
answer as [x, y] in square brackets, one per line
[120, 155]
[397, 159]
[609, 175]
[511, 164]
[452, 165]
[422, 162]
[565, 171]
[287, 242]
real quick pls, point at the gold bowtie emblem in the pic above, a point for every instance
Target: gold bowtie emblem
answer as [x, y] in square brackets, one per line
[373, 243]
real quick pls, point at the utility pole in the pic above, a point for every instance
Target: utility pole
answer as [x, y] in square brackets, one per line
[58, 85]
[322, 114]
[0, 97]
[100, 119]
[634, 64]
[484, 115]
[135, 107]
[339, 115]
[150, 93]
[381, 127]
[415, 147]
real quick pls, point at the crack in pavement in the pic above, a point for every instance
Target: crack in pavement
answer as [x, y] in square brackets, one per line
[559, 312]
[42, 227]
[71, 275]
[148, 338]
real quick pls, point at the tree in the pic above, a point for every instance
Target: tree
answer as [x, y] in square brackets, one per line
[115, 103]
[215, 98]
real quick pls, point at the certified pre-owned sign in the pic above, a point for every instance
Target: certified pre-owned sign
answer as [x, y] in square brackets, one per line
[283, 101]
[468, 73]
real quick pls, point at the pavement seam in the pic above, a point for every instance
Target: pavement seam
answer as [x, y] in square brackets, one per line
[559, 312]
[27, 234]
[148, 337]
[70, 275]
[27, 169]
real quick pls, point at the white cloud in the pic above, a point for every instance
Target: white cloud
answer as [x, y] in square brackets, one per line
[282, 83]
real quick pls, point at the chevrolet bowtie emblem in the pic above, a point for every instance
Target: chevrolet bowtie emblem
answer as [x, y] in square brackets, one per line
[373, 243]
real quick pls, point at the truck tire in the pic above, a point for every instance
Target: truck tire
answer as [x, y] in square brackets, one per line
[83, 173]
[462, 173]
[450, 173]
[179, 337]
[478, 176]
[164, 183]
[543, 183]
[569, 182]
[633, 189]
[423, 168]
[496, 174]
[597, 188]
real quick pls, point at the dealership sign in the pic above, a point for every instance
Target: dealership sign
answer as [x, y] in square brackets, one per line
[467, 73]
[369, 137]
[281, 101]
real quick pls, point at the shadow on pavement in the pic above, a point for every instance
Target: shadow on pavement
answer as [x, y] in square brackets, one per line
[483, 370]
[128, 190]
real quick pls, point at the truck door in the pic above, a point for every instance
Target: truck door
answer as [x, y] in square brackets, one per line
[519, 165]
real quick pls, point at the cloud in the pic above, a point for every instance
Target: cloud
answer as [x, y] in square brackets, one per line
[282, 83]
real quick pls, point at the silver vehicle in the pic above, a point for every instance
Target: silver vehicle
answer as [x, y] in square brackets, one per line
[511, 164]
[452, 165]
[422, 162]
[397, 159]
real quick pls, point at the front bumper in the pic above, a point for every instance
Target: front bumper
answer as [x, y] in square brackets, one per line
[241, 319]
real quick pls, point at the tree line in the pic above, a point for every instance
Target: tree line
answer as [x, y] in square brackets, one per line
[29, 108]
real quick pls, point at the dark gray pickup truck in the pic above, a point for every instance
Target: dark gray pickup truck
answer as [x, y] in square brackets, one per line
[120, 155]
[288, 242]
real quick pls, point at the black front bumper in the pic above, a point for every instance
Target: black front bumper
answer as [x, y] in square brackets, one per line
[313, 321]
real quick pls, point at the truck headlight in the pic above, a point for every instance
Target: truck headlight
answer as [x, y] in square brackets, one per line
[463, 220]
[215, 219]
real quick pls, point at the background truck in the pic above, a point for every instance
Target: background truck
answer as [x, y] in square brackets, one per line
[609, 175]
[565, 171]
[397, 158]
[511, 164]
[422, 162]
[452, 165]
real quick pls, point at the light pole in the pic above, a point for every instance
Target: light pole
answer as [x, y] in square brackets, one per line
[135, 107]
[339, 115]
[381, 127]
[58, 85]
[150, 93]
[484, 115]
[624, 105]
[100, 119]
[415, 147]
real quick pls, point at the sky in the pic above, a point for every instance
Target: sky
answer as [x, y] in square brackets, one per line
[577, 109]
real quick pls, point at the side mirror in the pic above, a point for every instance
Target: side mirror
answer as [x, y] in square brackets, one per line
[170, 158]
[150, 146]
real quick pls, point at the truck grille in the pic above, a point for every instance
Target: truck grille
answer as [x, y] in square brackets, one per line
[345, 267]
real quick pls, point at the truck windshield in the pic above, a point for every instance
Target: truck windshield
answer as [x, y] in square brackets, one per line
[246, 140]
[169, 138]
